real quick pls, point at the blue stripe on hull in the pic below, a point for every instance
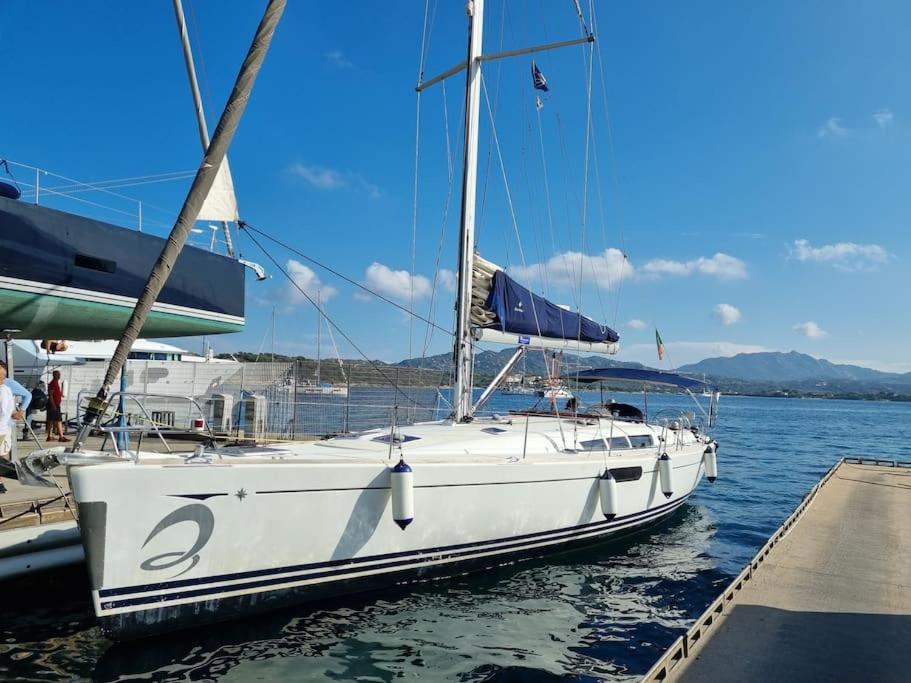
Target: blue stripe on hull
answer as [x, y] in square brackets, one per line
[406, 560]
[161, 616]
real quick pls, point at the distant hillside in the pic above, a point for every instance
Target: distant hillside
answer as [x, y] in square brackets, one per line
[788, 367]
[488, 363]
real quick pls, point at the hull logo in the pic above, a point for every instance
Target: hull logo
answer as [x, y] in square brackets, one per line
[204, 520]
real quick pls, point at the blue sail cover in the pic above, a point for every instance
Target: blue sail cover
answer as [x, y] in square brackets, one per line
[637, 375]
[520, 311]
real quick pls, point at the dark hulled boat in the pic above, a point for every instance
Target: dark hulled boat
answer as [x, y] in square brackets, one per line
[67, 276]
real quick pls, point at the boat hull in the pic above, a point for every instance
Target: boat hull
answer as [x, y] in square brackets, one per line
[243, 544]
[70, 277]
[25, 550]
[150, 622]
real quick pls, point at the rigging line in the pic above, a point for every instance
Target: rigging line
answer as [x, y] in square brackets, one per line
[496, 105]
[246, 226]
[550, 213]
[417, 157]
[568, 264]
[589, 143]
[542, 260]
[590, 132]
[597, 166]
[76, 182]
[124, 182]
[428, 336]
[206, 91]
[262, 343]
[89, 202]
[613, 162]
[331, 322]
[71, 189]
[512, 210]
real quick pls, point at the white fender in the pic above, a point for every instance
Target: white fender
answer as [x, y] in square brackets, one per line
[607, 488]
[401, 480]
[666, 474]
[711, 462]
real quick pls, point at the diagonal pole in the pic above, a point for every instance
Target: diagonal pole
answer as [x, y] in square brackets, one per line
[202, 183]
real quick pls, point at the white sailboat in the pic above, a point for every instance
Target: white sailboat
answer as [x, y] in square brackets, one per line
[232, 531]
[316, 386]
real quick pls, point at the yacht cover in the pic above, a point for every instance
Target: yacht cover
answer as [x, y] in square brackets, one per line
[520, 311]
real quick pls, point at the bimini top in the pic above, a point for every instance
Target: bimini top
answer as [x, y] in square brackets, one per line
[637, 375]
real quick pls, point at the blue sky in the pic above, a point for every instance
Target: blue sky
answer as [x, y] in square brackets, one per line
[758, 179]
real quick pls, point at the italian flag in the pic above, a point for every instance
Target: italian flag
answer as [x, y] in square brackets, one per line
[660, 345]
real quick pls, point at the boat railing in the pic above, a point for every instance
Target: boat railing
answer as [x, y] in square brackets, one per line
[41, 186]
[674, 420]
[129, 414]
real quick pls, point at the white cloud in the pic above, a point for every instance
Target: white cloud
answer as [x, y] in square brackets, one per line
[337, 58]
[844, 255]
[727, 314]
[883, 117]
[722, 266]
[636, 324]
[319, 177]
[396, 284]
[372, 190]
[447, 279]
[833, 127]
[308, 281]
[810, 330]
[683, 352]
[323, 178]
[606, 269]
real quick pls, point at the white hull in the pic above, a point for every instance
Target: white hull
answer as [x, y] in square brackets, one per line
[35, 548]
[264, 527]
[554, 394]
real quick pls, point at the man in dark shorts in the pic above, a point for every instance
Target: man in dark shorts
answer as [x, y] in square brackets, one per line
[54, 409]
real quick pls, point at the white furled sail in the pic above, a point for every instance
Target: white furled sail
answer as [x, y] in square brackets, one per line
[221, 203]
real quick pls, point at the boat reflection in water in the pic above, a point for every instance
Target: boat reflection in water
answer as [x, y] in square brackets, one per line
[570, 614]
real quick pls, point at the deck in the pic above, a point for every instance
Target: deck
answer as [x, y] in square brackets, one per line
[23, 506]
[827, 598]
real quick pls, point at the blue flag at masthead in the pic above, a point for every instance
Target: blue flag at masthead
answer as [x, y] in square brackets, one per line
[538, 78]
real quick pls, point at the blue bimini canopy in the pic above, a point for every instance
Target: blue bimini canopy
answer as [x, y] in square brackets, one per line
[520, 311]
[637, 375]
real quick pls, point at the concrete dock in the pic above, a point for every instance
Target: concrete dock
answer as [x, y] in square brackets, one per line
[827, 598]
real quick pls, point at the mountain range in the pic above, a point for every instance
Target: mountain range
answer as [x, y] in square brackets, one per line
[770, 372]
[786, 367]
[488, 363]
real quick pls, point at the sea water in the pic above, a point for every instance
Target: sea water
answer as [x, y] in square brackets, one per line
[604, 613]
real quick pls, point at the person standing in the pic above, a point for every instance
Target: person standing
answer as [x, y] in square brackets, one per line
[55, 409]
[7, 410]
[22, 397]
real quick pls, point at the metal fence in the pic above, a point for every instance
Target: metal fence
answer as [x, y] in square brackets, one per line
[269, 401]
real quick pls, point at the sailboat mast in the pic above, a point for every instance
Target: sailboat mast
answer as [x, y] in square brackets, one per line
[197, 100]
[463, 341]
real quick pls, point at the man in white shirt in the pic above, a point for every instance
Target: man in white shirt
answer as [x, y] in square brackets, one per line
[7, 413]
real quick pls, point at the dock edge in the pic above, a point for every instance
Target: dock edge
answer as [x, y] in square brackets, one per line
[689, 643]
